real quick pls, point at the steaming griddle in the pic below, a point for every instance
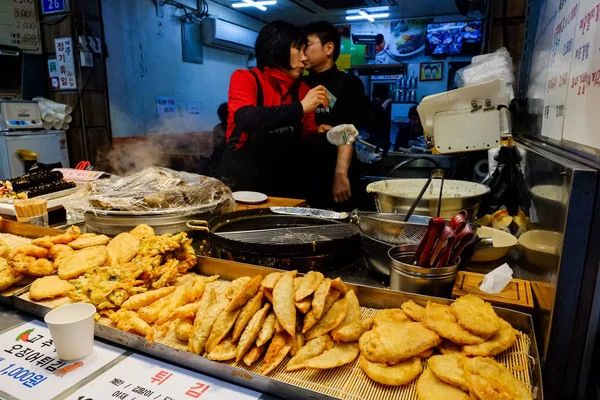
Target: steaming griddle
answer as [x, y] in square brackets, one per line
[284, 241]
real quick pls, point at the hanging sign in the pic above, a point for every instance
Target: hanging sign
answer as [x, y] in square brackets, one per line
[65, 63]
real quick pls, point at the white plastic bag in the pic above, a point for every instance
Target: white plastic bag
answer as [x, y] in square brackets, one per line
[487, 67]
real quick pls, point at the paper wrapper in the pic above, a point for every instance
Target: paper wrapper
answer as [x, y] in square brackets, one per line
[495, 281]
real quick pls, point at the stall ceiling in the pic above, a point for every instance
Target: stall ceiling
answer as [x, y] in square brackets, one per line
[305, 11]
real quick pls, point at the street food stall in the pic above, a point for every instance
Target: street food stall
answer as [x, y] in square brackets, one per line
[468, 267]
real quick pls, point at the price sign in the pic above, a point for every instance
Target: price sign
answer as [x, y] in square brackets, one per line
[30, 369]
[53, 6]
[139, 377]
[582, 117]
[561, 54]
[19, 25]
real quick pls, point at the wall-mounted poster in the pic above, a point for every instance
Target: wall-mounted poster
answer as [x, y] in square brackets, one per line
[396, 41]
[432, 71]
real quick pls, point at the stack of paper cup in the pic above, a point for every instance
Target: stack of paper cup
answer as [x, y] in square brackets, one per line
[72, 330]
[54, 115]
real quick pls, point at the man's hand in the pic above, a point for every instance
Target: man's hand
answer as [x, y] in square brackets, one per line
[341, 188]
[324, 128]
[342, 135]
[314, 98]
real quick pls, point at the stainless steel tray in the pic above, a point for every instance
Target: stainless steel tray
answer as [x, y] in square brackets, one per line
[367, 296]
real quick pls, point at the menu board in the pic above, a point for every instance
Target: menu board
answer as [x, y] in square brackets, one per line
[558, 73]
[140, 377]
[582, 117]
[19, 25]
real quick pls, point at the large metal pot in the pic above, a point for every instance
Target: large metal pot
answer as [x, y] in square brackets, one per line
[398, 195]
[113, 224]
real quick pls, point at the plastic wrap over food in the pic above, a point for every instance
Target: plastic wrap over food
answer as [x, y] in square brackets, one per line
[154, 190]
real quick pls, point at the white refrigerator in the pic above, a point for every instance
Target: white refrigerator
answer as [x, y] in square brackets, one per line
[51, 146]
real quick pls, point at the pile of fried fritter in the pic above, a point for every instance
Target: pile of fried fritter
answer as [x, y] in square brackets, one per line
[469, 327]
[96, 269]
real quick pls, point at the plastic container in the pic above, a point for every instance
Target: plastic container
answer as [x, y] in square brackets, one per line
[406, 277]
[72, 330]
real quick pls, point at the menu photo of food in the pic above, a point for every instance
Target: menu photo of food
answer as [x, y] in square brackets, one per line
[408, 37]
[432, 71]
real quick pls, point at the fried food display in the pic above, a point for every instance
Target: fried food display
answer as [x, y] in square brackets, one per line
[308, 284]
[142, 232]
[449, 369]
[490, 380]
[430, 387]
[438, 318]
[9, 277]
[342, 354]
[330, 320]
[122, 249]
[282, 321]
[499, 342]
[353, 331]
[278, 349]
[49, 287]
[353, 312]
[476, 315]
[392, 343]
[390, 316]
[89, 241]
[392, 375]
[311, 349]
[248, 337]
[78, 262]
[413, 310]
[319, 297]
[283, 304]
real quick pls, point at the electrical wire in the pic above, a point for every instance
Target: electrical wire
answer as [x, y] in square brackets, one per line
[190, 14]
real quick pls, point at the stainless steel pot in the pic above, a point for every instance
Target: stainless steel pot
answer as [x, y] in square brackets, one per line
[406, 277]
[112, 225]
[397, 196]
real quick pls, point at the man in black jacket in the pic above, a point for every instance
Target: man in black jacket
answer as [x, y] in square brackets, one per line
[333, 177]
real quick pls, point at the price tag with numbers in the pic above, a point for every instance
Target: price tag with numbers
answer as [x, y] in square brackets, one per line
[19, 25]
[139, 377]
[561, 53]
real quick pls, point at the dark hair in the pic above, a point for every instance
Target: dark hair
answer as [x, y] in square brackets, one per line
[326, 33]
[435, 67]
[412, 112]
[223, 113]
[427, 66]
[273, 44]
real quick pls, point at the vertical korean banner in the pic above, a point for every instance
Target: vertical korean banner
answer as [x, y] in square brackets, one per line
[558, 72]
[582, 117]
[65, 63]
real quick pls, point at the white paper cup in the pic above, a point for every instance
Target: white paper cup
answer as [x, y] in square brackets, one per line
[72, 330]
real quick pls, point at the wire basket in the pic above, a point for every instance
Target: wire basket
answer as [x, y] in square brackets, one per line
[391, 228]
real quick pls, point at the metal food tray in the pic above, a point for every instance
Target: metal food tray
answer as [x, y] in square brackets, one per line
[27, 231]
[346, 382]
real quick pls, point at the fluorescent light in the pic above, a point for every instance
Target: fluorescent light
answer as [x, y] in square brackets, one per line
[369, 17]
[257, 4]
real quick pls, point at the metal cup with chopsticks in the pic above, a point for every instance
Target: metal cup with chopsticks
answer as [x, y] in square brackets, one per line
[32, 211]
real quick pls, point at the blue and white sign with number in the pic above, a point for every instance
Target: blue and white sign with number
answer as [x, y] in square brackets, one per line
[53, 6]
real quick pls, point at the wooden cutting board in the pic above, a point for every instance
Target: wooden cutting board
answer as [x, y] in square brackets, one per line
[517, 295]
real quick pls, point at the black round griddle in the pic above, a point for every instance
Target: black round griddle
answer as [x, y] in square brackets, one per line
[283, 241]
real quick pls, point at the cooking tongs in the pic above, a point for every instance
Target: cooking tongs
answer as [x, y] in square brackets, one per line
[443, 244]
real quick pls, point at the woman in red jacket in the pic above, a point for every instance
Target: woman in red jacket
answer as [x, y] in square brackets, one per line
[270, 112]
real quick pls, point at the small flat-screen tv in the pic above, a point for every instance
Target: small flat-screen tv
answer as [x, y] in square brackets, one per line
[454, 38]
